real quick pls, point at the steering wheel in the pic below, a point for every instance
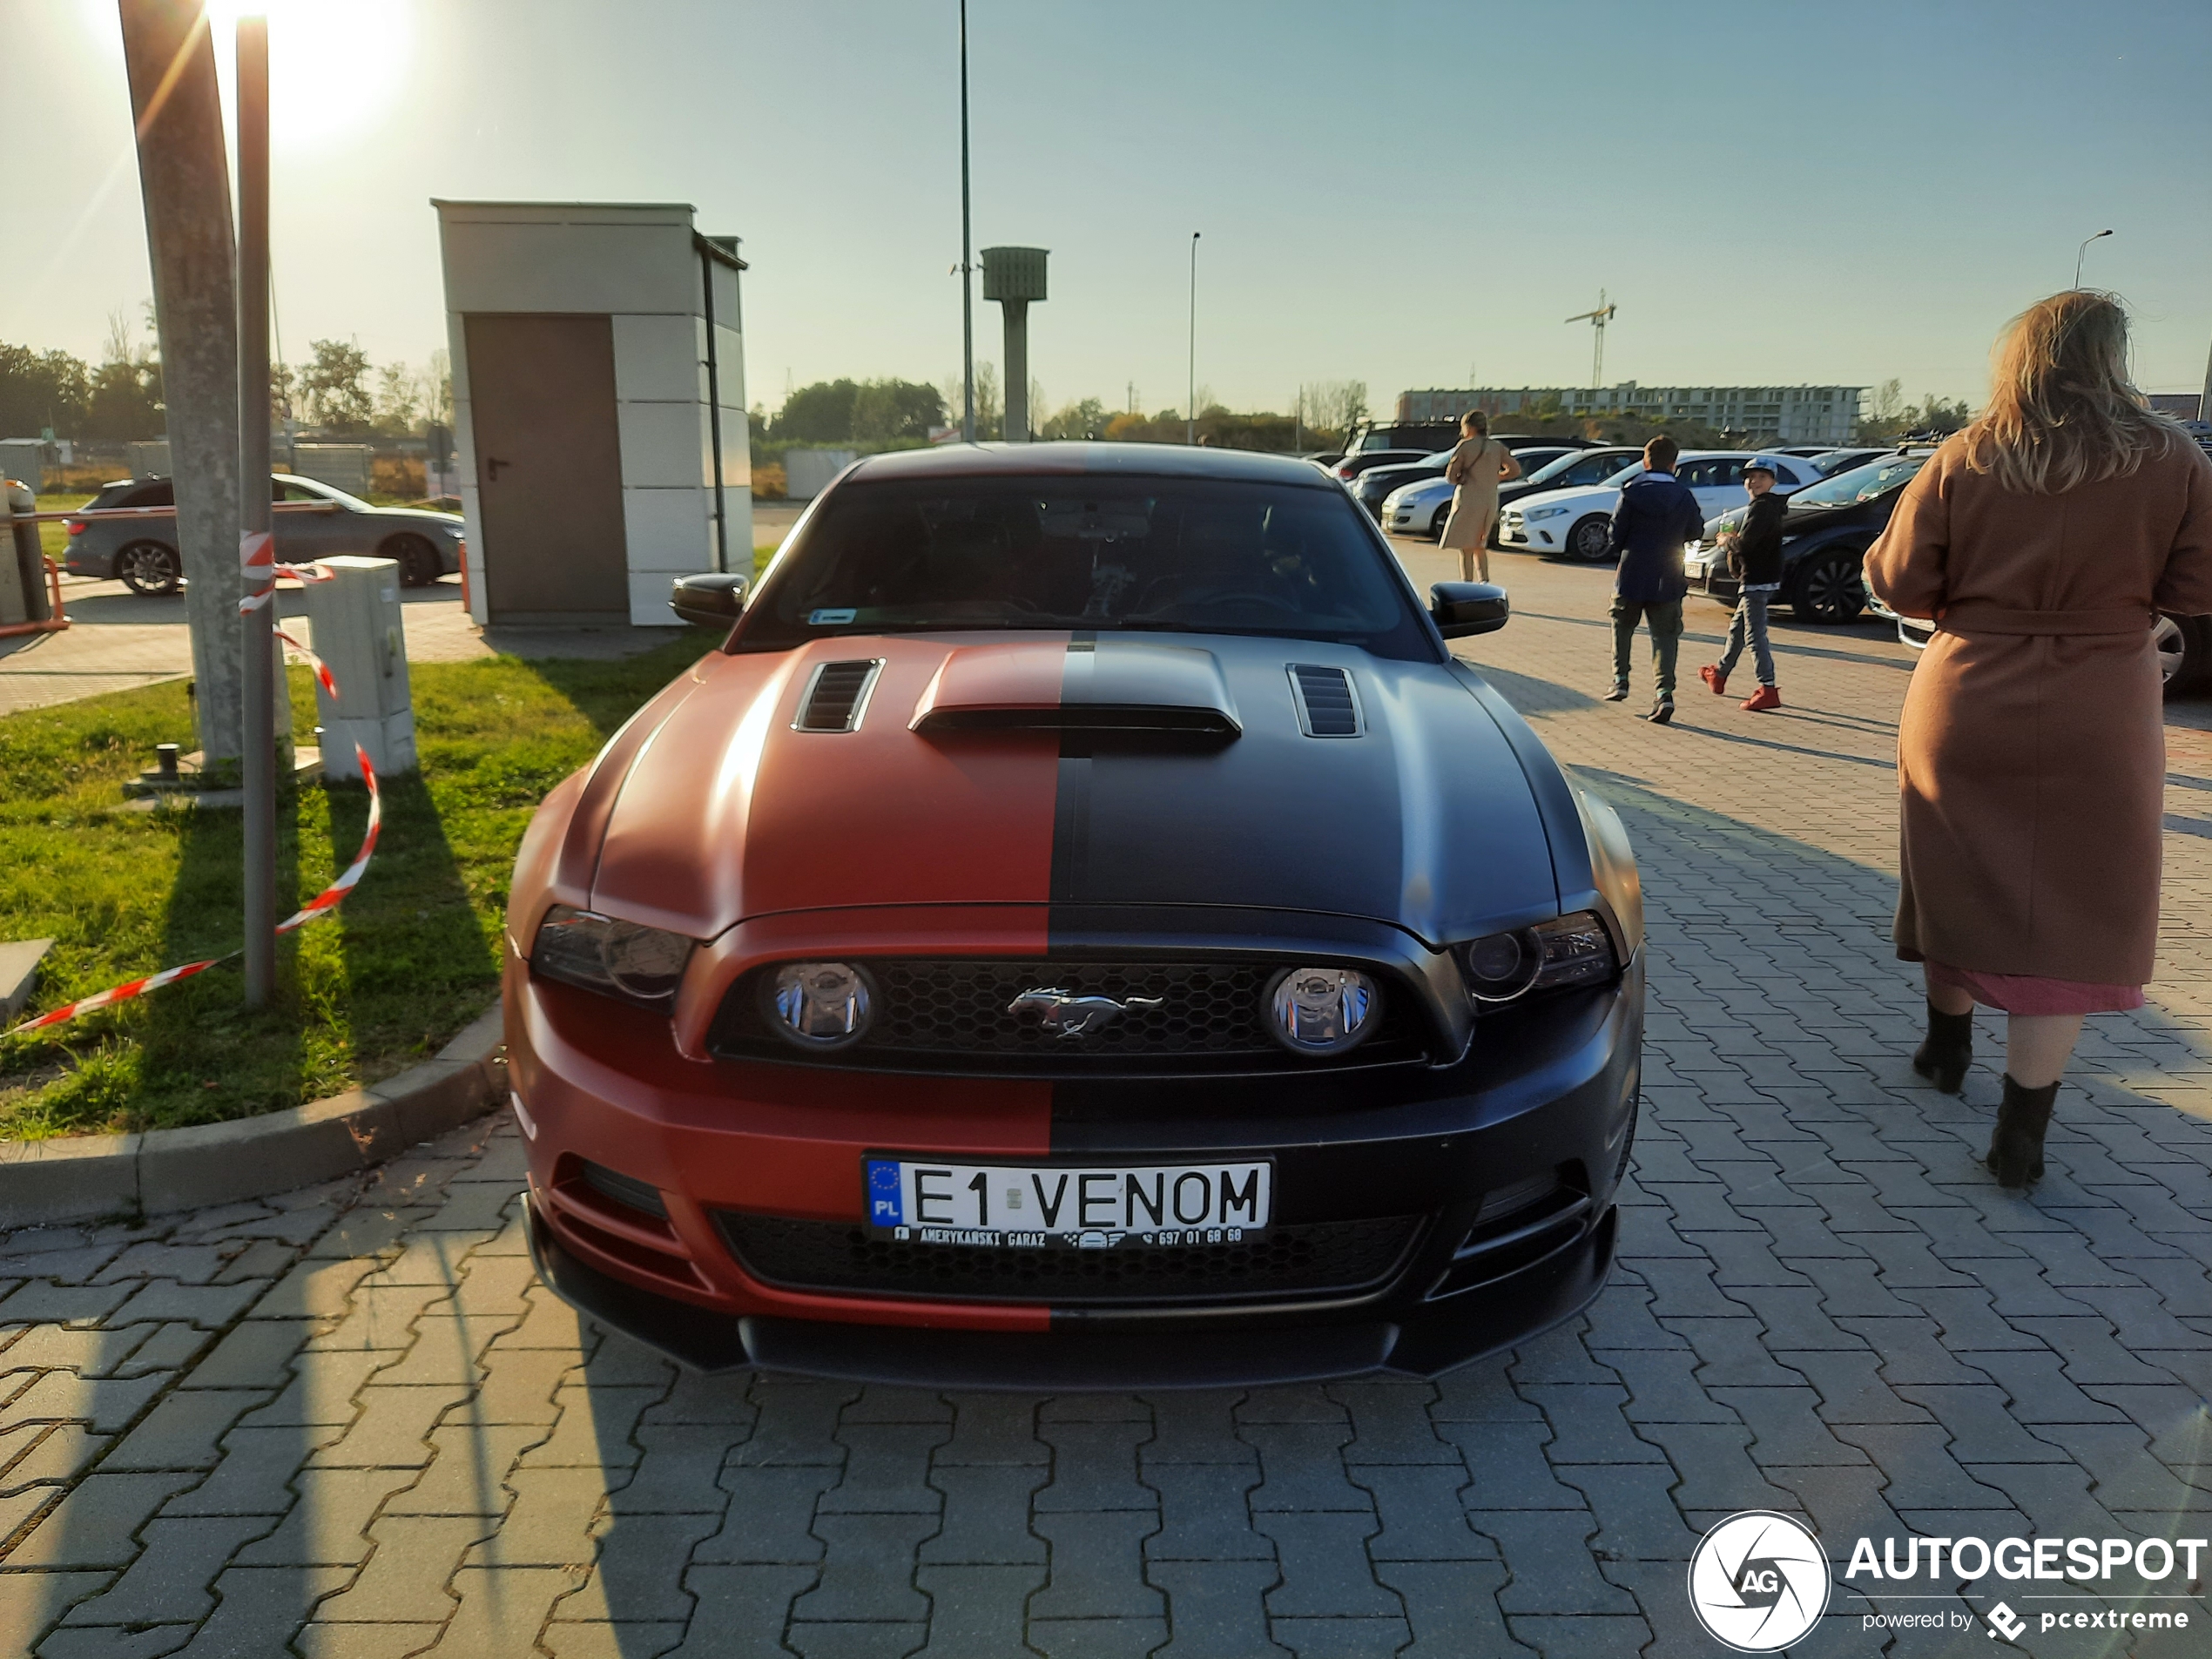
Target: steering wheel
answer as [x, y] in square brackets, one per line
[1186, 591]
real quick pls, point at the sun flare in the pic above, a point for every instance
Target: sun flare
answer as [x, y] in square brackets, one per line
[334, 65]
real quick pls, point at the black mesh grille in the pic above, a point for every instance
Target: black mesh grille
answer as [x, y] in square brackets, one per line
[835, 696]
[940, 1015]
[1325, 696]
[1309, 1260]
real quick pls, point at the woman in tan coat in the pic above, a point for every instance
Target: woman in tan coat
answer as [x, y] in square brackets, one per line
[1478, 466]
[2031, 753]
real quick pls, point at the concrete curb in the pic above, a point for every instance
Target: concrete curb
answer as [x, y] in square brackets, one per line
[77, 1178]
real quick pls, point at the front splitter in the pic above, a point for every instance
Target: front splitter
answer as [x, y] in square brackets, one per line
[1439, 1336]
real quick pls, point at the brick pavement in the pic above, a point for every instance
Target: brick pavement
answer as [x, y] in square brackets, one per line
[349, 1423]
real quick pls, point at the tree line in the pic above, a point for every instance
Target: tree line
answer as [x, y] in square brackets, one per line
[892, 413]
[119, 398]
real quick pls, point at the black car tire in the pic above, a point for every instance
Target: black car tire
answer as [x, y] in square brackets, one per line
[1436, 521]
[1591, 539]
[151, 568]
[1830, 587]
[2184, 646]
[418, 560]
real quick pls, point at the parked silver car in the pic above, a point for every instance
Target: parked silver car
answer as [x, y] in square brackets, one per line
[143, 552]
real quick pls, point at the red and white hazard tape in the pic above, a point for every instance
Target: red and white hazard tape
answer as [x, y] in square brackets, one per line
[321, 905]
[257, 558]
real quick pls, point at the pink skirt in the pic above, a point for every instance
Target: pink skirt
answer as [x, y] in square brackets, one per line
[2025, 994]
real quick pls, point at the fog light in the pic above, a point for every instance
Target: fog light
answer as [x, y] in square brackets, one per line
[820, 1005]
[1322, 1010]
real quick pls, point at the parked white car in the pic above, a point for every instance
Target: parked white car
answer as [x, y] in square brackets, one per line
[1420, 508]
[1412, 509]
[1578, 523]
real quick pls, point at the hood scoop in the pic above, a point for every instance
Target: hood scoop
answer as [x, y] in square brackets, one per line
[1327, 705]
[1107, 688]
[837, 696]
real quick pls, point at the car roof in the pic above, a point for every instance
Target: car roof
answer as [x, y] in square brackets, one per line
[1058, 460]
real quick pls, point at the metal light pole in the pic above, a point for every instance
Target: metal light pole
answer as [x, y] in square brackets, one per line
[259, 723]
[967, 276]
[2084, 249]
[1191, 398]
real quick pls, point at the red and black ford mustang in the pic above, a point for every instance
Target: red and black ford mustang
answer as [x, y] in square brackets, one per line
[1082, 927]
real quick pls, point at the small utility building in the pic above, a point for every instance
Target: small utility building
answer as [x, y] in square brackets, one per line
[599, 394]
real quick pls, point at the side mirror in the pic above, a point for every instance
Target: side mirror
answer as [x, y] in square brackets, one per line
[1461, 609]
[713, 599]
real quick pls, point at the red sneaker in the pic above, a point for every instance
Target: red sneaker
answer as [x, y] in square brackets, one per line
[1712, 676]
[1763, 699]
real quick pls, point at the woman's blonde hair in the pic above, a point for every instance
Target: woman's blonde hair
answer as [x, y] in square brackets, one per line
[2062, 411]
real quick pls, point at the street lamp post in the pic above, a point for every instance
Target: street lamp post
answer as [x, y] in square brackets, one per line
[1190, 396]
[258, 735]
[2080, 253]
[967, 276]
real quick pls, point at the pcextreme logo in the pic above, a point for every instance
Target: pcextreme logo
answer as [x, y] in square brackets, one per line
[1758, 1582]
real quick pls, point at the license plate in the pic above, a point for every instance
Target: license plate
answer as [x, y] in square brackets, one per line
[1068, 1206]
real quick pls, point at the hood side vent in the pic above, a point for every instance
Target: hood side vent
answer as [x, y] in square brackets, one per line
[837, 696]
[1327, 705]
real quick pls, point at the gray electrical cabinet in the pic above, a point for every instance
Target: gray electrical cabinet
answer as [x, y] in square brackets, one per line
[359, 633]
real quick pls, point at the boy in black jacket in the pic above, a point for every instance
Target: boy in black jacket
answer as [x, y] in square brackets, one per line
[1656, 515]
[1756, 557]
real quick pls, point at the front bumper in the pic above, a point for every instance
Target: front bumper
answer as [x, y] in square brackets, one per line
[1546, 535]
[1710, 574]
[1548, 1089]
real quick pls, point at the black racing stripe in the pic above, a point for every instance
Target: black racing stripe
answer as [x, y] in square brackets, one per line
[1071, 805]
[1071, 825]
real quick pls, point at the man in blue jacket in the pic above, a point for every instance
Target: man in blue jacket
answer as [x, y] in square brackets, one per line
[1657, 515]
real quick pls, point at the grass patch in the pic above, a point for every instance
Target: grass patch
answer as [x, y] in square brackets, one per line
[408, 960]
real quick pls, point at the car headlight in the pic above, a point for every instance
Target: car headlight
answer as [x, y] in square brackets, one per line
[818, 1005]
[615, 958]
[1545, 512]
[1572, 950]
[1322, 1010]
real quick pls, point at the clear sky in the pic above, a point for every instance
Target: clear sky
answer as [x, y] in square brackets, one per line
[1391, 190]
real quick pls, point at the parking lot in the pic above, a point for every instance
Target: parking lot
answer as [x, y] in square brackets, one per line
[349, 1420]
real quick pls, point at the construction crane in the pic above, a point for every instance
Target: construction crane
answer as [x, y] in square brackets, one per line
[1597, 319]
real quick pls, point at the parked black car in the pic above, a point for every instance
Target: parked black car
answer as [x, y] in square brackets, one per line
[143, 552]
[1362, 461]
[1377, 483]
[1824, 537]
[1829, 462]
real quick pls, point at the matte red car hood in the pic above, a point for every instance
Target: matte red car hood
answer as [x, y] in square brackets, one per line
[1052, 769]
[728, 812]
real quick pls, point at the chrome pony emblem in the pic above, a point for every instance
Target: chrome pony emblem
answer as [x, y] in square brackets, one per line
[1077, 1017]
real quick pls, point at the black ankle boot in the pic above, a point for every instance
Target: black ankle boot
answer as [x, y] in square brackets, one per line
[1947, 1050]
[2016, 1149]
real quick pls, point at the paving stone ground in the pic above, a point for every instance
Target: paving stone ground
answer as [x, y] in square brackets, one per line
[347, 1423]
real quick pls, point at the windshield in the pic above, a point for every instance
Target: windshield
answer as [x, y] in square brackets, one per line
[327, 492]
[1132, 554]
[1860, 483]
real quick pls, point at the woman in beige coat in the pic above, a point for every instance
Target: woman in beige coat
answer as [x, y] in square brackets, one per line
[1478, 466]
[2032, 757]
